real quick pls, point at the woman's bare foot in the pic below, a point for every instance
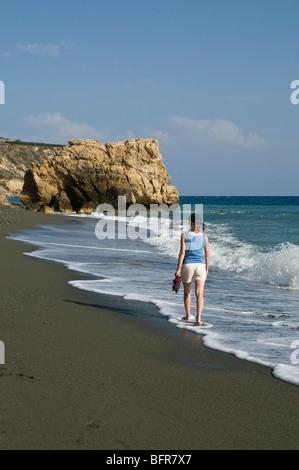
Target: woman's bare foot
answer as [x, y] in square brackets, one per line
[186, 318]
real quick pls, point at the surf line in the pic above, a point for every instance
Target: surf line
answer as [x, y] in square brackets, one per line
[123, 460]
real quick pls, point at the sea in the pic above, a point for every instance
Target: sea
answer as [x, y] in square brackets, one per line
[252, 290]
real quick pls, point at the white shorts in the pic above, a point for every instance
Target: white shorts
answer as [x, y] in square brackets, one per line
[194, 272]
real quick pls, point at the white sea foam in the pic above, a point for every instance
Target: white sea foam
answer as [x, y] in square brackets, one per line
[286, 373]
[279, 267]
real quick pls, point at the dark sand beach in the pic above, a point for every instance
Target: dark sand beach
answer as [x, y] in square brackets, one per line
[86, 371]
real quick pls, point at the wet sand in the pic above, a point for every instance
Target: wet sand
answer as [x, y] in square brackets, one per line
[90, 371]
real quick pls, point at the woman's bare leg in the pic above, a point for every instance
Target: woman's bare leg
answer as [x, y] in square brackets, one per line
[187, 299]
[199, 288]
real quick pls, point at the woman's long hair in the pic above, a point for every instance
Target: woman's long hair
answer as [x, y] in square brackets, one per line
[196, 223]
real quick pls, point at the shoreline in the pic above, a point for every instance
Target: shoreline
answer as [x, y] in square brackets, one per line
[93, 371]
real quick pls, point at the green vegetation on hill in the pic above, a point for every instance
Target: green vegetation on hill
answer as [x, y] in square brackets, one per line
[41, 144]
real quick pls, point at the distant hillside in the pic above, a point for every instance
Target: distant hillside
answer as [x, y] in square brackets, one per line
[15, 158]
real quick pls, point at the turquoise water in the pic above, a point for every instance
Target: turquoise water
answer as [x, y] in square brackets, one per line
[14, 200]
[252, 291]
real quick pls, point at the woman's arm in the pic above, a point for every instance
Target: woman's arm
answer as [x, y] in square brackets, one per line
[207, 254]
[181, 255]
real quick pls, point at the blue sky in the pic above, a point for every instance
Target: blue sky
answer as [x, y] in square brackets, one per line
[209, 79]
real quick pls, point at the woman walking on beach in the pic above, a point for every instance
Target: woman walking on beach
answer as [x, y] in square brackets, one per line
[193, 260]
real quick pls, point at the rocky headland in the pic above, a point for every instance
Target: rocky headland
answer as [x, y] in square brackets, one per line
[87, 173]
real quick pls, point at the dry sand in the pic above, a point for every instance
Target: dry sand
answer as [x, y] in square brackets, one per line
[86, 371]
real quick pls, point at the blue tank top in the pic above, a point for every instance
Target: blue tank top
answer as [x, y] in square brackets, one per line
[194, 248]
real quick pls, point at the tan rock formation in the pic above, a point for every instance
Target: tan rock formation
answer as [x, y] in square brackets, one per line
[4, 201]
[16, 158]
[87, 173]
